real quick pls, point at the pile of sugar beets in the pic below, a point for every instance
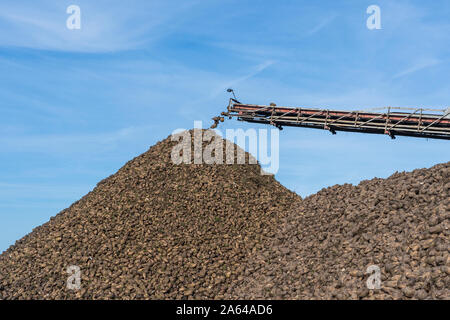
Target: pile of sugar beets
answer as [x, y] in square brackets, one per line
[160, 230]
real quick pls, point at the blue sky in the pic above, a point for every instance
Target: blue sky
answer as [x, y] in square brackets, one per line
[77, 104]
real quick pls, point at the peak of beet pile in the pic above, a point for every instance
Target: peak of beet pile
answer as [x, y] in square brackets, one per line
[153, 230]
[383, 239]
[158, 230]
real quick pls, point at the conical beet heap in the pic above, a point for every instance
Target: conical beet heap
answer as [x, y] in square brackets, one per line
[153, 230]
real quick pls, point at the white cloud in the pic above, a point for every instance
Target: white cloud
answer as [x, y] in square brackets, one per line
[252, 51]
[322, 24]
[418, 66]
[104, 27]
[217, 85]
[258, 69]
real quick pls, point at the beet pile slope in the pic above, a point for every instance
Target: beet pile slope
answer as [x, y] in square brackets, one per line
[153, 230]
[337, 239]
[158, 230]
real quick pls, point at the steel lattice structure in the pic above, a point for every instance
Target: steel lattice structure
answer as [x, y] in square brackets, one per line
[419, 122]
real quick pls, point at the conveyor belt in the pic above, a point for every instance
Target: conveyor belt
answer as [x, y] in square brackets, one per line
[424, 123]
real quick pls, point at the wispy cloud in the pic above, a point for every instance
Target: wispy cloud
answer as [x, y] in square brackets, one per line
[258, 69]
[104, 27]
[252, 51]
[189, 110]
[214, 86]
[418, 66]
[322, 24]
